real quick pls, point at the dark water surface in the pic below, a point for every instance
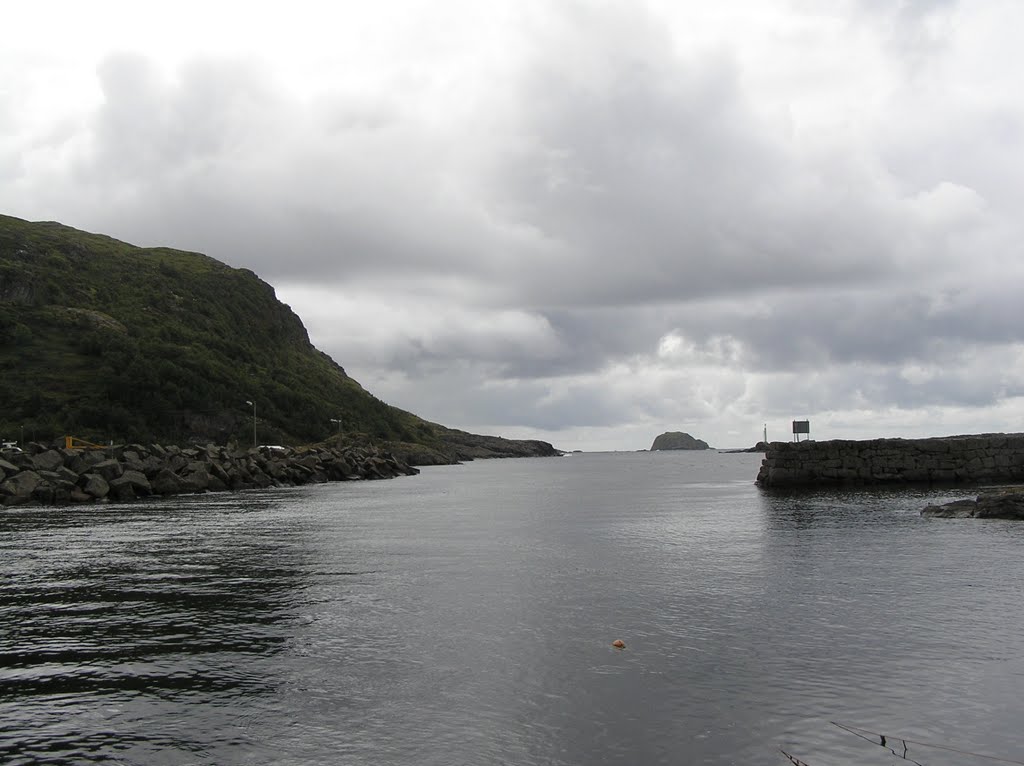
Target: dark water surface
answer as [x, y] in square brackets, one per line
[465, 616]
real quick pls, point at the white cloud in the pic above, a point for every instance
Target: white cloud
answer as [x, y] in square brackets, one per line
[590, 221]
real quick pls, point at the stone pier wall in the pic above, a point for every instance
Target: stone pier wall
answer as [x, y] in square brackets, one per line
[979, 459]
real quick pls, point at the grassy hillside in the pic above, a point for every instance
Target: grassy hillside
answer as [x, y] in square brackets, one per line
[106, 341]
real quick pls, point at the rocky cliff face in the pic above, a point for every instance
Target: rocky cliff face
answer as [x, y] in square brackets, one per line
[678, 440]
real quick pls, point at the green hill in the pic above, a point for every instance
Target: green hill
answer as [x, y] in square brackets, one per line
[107, 341]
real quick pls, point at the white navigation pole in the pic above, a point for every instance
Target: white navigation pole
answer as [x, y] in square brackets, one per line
[253, 405]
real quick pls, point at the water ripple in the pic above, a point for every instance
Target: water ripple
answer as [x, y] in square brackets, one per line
[467, 616]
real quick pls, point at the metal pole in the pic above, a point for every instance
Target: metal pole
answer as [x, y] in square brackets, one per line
[253, 403]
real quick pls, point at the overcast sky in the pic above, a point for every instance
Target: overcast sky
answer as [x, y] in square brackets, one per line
[586, 222]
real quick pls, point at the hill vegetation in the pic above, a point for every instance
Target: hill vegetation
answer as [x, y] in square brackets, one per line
[111, 342]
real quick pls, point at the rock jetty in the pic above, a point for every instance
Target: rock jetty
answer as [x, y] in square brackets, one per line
[998, 504]
[982, 458]
[48, 475]
[677, 440]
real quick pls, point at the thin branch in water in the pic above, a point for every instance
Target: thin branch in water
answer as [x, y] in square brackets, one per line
[883, 739]
[793, 759]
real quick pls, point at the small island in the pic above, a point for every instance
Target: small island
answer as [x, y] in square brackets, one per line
[674, 440]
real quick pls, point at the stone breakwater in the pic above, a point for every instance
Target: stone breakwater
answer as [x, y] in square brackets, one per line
[57, 476]
[969, 459]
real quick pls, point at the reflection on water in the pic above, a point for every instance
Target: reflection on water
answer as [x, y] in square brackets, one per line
[466, 616]
[117, 616]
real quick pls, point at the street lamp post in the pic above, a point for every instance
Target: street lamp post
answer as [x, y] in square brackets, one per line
[253, 404]
[338, 421]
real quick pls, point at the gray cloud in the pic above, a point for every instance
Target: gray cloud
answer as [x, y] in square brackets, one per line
[606, 226]
[648, 179]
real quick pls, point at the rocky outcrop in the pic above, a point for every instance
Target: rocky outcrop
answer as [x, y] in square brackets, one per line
[961, 459]
[1001, 504]
[678, 440]
[55, 475]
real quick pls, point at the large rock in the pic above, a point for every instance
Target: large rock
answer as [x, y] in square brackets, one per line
[136, 480]
[999, 504]
[94, 485]
[63, 478]
[50, 460]
[196, 478]
[19, 488]
[671, 440]
[166, 482]
[122, 491]
[108, 469]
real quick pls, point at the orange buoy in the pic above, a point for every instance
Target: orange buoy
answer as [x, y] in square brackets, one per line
[618, 643]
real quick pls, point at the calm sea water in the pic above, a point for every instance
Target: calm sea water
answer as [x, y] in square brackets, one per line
[465, 616]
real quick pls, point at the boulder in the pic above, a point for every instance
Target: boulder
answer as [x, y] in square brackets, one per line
[79, 495]
[73, 460]
[339, 469]
[20, 460]
[165, 482]
[93, 456]
[216, 484]
[177, 463]
[50, 460]
[150, 465]
[218, 472]
[132, 461]
[260, 479]
[998, 504]
[108, 469]
[66, 474]
[59, 478]
[137, 480]
[45, 494]
[122, 491]
[958, 509]
[196, 478]
[19, 488]
[94, 485]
